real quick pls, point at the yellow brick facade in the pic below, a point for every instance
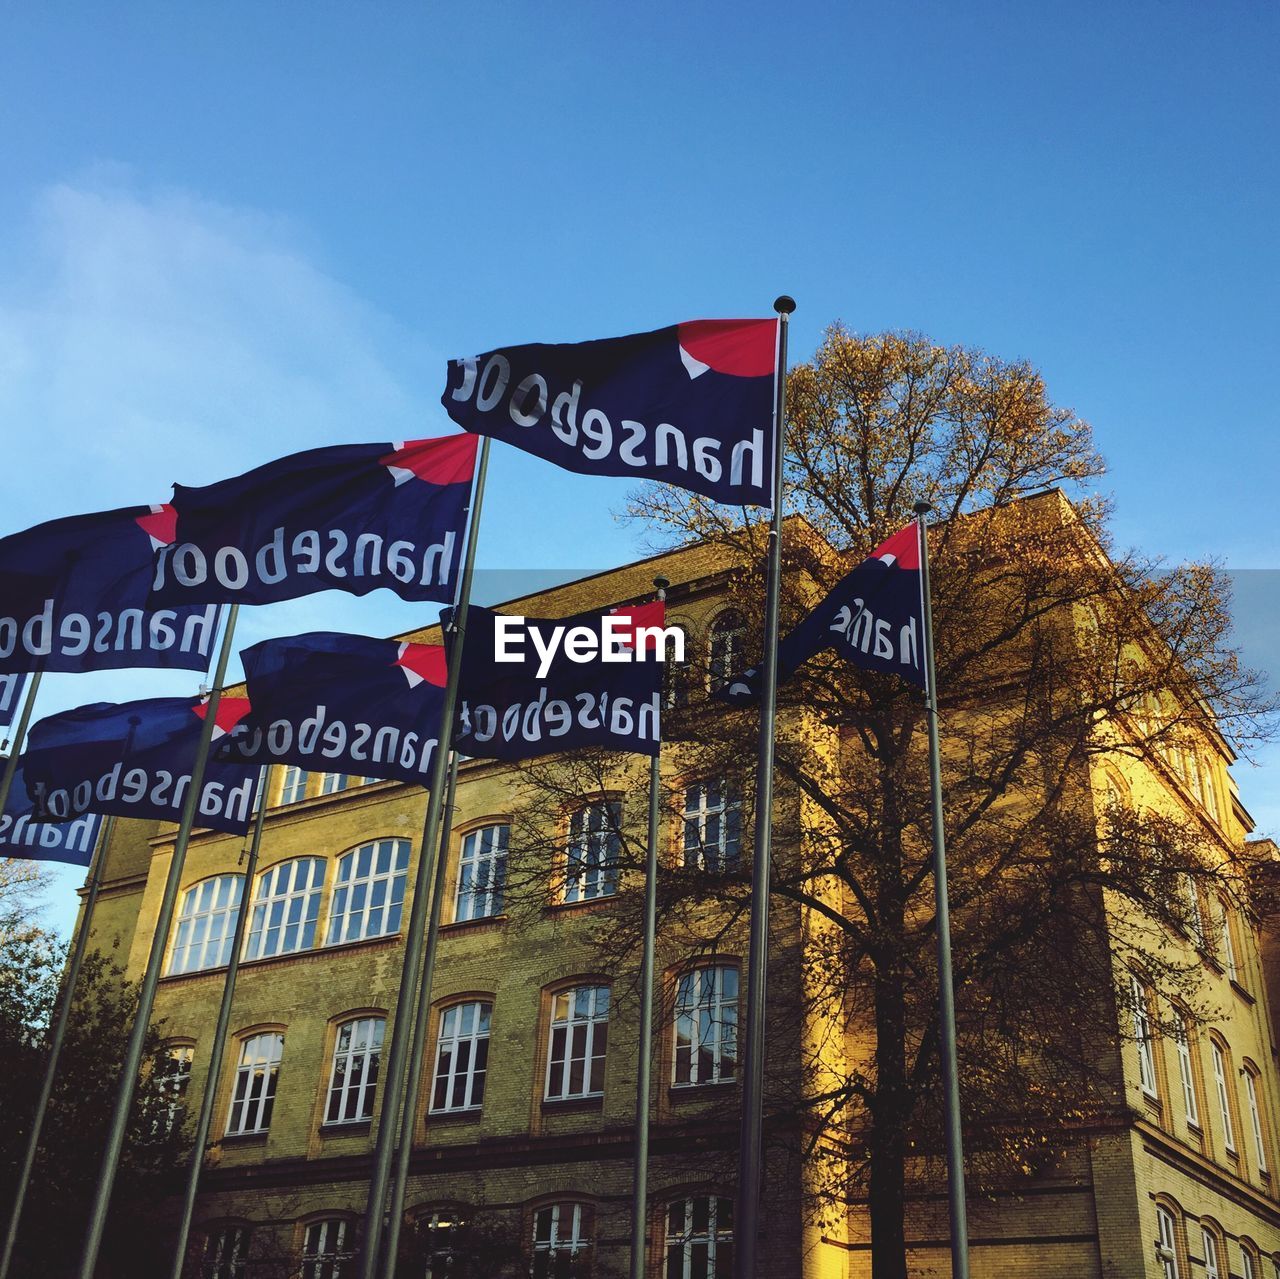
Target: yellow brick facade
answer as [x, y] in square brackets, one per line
[1092, 1214]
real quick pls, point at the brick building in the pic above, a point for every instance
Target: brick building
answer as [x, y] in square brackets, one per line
[524, 1125]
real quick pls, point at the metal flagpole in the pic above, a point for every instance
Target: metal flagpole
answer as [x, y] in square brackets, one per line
[946, 991]
[392, 1083]
[159, 941]
[750, 1141]
[17, 738]
[208, 1098]
[56, 1039]
[422, 1019]
[644, 1052]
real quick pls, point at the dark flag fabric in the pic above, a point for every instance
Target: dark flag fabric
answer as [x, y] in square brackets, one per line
[691, 405]
[74, 597]
[873, 617]
[11, 690]
[22, 836]
[544, 699]
[350, 517]
[342, 704]
[134, 759]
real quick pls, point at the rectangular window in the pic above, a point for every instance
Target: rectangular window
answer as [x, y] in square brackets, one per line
[482, 873]
[462, 1055]
[1224, 1101]
[712, 827]
[706, 1027]
[700, 1238]
[327, 1250]
[354, 1080]
[1142, 1036]
[174, 1078]
[592, 864]
[225, 1252]
[1228, 942]
[1182, 1043]
[578, 1044]
[255, 1084]
[294, 786]
[1255, 1118]
[332, 783]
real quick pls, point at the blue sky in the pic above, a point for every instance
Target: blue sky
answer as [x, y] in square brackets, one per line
[231, 231]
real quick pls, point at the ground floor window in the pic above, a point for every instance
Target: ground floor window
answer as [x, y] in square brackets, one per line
[700, 1238]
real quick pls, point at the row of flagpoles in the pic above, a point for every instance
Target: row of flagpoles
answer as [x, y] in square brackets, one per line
[701, 405]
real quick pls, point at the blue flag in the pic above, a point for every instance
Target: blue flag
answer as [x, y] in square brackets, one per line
[873, 617]
[342, 704]
[134, 759]
[352, 517]
[11, 689]
[691, 405]
[74, 597]
[565, 683]
[22, 836]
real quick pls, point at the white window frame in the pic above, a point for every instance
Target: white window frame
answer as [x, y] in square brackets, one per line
[1209, 1243]
[679, 1260]
[206, 925]
[253, 1091]
[1228, 942]
[482, 873]
[1143, 1038]
[293, 784]
[1186, 1073]
[334, 783]
[591, 863]
[1247, 1269]
[1220, 1072]
[353, 1078]
[708, 1016]
[712, 829]
[462, 1026]
[579, 1039]
[174, 1079]
[1255, 1118]
[226, 1252]
[563, 1233]
[328, 1248]
[453, 1223]
[286, 904]
[380, 893]
[1166, 1243]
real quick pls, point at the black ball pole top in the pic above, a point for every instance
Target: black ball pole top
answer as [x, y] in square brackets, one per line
[922, 507]
[662, 583]
[784, 305]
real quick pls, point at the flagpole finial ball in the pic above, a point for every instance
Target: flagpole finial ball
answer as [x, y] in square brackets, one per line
[662, 583]
[784, 305]
[922, 508]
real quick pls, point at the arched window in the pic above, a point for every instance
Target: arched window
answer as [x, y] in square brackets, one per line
[173, 1078]
[1222, 1086]
[1213, 1252]
[254, 1092]
[712, 827]
[441, 1238]
[328, 1248]
[482, 873]
[354, 1080]
[591, 868]
[578, 1043]
[1182, 1044]
[368, 894]
[561, 1241]
[226, 1249]
[462, 1057]
[285, 910]
[725, 648]
[1252, 1091]
[706, 1026]
[1139, 1006]
[1250, 1261]
[699, 1238]
[293, 785]
[1230, 949]
[206, 924]
[675, 674]
[1167, 1243]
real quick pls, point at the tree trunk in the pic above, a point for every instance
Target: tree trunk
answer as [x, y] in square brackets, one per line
[890, 1117]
